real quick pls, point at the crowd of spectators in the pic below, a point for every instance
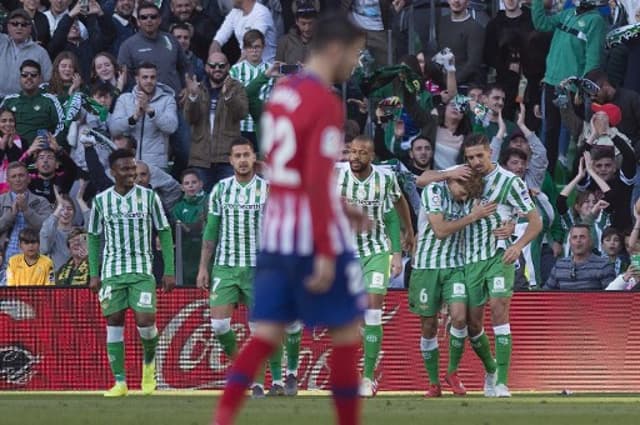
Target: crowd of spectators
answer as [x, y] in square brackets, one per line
[550, 83]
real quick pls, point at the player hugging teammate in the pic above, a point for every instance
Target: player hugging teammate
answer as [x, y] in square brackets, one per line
[467, 270]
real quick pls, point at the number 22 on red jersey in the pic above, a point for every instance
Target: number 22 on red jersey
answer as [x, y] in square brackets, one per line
[301, 137]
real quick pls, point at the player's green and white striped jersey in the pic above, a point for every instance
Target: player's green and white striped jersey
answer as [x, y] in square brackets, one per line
[127, 224]
[245, 72]
[240, 208]
[431, 252]
[376, 196]
[512, 197]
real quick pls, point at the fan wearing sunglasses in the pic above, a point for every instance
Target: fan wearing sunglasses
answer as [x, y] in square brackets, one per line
[17, 46]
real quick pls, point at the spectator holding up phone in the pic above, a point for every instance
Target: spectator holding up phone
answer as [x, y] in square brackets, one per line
[247, 70]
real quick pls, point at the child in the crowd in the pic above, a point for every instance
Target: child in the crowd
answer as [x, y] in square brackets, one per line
[191, 211]
[248, 69]
[30, 268]
[613, 248]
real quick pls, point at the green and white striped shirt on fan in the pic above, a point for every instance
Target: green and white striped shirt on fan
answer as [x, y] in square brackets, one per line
[240, 208]
[376, 196]
[431, 252]
[512, 197]
[245, 72]
[127, 225]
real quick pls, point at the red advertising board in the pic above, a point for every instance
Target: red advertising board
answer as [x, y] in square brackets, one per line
[54, 339]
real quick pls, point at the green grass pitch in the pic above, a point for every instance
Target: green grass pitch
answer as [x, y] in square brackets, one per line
[196, 409]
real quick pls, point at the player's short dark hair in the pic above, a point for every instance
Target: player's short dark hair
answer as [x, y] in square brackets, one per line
[475, 139]
[30, 63]
[251, 37]
[147, 5]
[601, 152]
[363, 138]
[611, 231]
[146, 65]
[494, 86]
[29, 234]
[120, 154]
[509, 152]
[241, 141]
[190, 172]
[334, 27]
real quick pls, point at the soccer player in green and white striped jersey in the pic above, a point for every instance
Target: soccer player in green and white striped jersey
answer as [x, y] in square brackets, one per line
[247, 70]
[125, 213]
[377, 192]
[437, 274]
[236, 206]
[489, 262]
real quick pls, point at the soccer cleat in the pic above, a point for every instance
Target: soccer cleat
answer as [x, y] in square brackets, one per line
[257, 391]
[490, 385]
[456, 385]
[368, 388]
[148, 384]
[118, 390]
[502, 391]
[434, 391]
[291, 385]
[275, 390]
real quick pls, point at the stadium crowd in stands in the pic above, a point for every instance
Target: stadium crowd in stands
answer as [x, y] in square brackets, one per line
[552, 84]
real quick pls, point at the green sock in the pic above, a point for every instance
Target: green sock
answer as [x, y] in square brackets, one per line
[456, 349]
[431, 357]
[372, 342]
[149, 349]
[275, 364]
[480, 345]
[292, 342]
[115, 352]
[228, 342]
[503, 357]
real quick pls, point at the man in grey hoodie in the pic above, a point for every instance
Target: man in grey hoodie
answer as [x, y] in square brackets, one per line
[16, 47]
[149, 114]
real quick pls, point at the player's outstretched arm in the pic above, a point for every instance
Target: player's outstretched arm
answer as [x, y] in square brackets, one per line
[445, 228]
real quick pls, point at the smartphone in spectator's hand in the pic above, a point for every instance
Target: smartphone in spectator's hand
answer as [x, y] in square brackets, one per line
[286, 69]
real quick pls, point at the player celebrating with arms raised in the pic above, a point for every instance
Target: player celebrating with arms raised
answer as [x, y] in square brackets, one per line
[126, 213]
[306, 269]
[489, 262]
[376, 191]
[437, 274]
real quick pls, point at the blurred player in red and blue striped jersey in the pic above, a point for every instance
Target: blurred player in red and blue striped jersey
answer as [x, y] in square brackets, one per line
[306, 268]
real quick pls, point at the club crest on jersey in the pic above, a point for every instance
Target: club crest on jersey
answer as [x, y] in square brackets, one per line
[361, 194]
[124, 208]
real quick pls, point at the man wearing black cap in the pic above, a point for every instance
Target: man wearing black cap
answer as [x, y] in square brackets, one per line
[17, 46]
[292, 47]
